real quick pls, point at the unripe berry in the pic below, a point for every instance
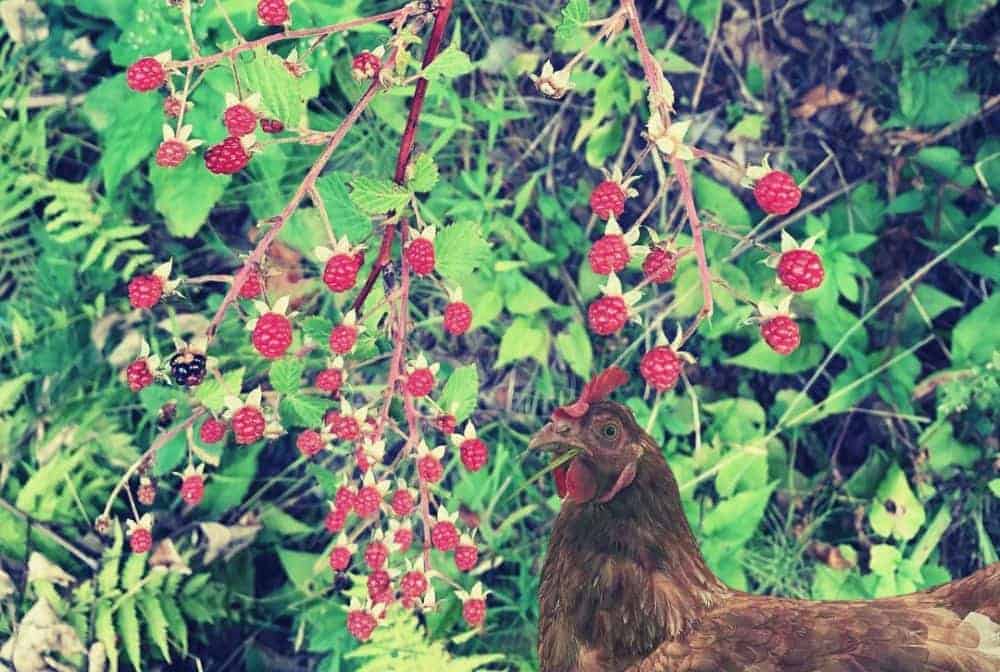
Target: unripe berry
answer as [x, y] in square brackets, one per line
[273, 12]
[342, 338]
[608, 254]
[474, 612]
[340, 558]
[403, 538]
[329, 380]
[420, 382]
[660, 368]
[272, 335]
[335, 520]
[141, 540]
[172, 106]
[466, 557]
[430, 468]
[402, 502]
[248, 425]
[376, 555]
[378, 583]
[171, 153]
[365, 65]
[368, 501]
[271, 126]
[146, 492]
[345, 498]
[361, 624]
[413, 584]
[341, 272]
[445, 423]
[253, 286]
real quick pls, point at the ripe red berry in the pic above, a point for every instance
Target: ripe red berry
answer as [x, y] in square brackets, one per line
[340, 558]
[609, 254]
[368, 501]
[344, 427]
[239, 120]
[403, 537]
[253, 286]
[800, 270]
[474, 611]
[466, 557]
[413, 584]
[341, 272]
[474, 454]
[248, 425]
[145, 291]
[309, 442]
[378, 582]
[272, 335]
[171, 153]
[420, 382]
[329, 380]
[776, 193]
[661, 368]
[430, 468]
[227, 157]
[402, 502]
[365, 65]
[781, 333]
[146, 492]
[273, 12]
[335, 520]
[607, 198]
[445, 423]
[376, 555]
[271, 126]
[141, 540]
[457, 318]
[172, 106]
[659, 265]
[420, 256]
[342, 338]
[212, 431]
[607, 314]
[193, 489]
[444, 536]
[345, 498]
[361, 625]
[138, 374]
[146, 74]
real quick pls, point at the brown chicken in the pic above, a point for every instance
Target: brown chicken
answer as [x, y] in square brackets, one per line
[625, 588]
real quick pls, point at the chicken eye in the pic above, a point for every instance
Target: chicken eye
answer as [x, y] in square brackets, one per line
[610, 430]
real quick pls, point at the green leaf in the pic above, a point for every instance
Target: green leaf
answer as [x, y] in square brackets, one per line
[460, 249]
[104, 629]
[423, 173]
[303, 410]
[11, 389]
[265, 73]
[975, 337]
[673, 62]
[129, 132]
[344, 216]
[175, 621]
[864, 482]
[273, 518]
[524, 297]
[574, 15]
[286, 373]
[300, 567]
[107, 578]
[450, 63]
[461, 391]
[375, 196]
[715, 198]
[933, 96]
[995, 487]
[574, 347]
[212, 394]
[761, 357]
[170, 455]
[156, 622]
[317, 328]
[132, 571]
[128, 627]
[229, 485]
[523, 339]
[885, 559]
[185, 195]
[735, 520]
[907, 515]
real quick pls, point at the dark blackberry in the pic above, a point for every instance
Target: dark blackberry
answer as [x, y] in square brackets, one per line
[187, 368]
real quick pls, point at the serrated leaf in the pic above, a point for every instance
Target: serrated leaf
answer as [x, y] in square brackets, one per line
[185, 195]
[574, 347]
[317, 328]
[104, 629]
[281, 92]
[574, 15]
[460, 249]
[132, 571]
[127, 621]
[374, 196]
[175, 622]
[302, 410]
[450, 63]
[345, 218]
[107, 579]
[156, 622]
[286, 373]
[461, 391]
[212, 394]
[523, 339]
[11, 389]
[423, 175]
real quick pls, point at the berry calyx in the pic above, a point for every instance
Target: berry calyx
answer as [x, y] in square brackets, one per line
[145, 291]
[776, 193]
[248, 425]
[146, 74]
[800, 270]
[227, 157]
[212, 431]
[659, 265]
[272, 335]
[138, 374]
[661, 368]
[273, 12]
[781, 332]
[309, 443]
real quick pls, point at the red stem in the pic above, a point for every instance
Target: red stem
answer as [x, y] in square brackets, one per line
[406, 150]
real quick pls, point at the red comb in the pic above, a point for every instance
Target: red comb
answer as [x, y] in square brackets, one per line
[598, 389]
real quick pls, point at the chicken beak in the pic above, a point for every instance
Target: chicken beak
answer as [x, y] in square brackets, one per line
[554, 436]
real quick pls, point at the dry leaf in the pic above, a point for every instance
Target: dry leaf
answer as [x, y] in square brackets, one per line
[41, 568]
[226, 541]
[818, 98]
[39, 633]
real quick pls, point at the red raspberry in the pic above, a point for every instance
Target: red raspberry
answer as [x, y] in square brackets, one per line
[776, 193]
[272, 335]
[239, 120]
[335, 520]
[273, 12]
[659, 265]
[457, 318]
[474, 454]
[253, 286]
[171, 153]
[444, 536]
[342, 338]
[660, 368]
[193, 489]
[609, 254]
[340, 558]
[360, 623]
[607, 198]
[376, 555]
[800, 270]
[413, 584]
[345, 498]
[607, 315]
[309, 443]
[146, 492]
[212, 431]
[445, 423]
[368, 501]
[430, 468]
[341, 272]
[172, 106]
[474, 612]
[146, 74]
[378, 582]
[329, 380]
[227, 157]
[271, 126]
[420, 382]
[402, 502]
[138, 375]
[466, 557]
[248, 425]
[344, 427]
[365, 65]
[403, 537]
[781, 333]
[141, 540]
[145, 291]
[420, 256]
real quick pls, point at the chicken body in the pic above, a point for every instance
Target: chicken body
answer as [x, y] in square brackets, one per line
[625, 589]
